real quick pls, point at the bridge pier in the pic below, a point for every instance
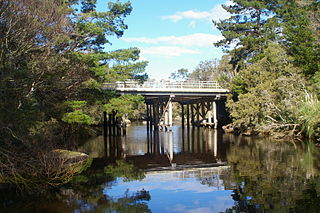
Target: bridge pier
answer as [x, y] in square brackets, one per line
[200, 113]
[113, 126]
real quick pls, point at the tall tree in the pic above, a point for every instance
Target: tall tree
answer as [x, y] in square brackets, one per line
[250, 28]
[180, 74]
[300, 35]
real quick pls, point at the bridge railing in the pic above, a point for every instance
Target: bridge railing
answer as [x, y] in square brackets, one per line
[164, 84]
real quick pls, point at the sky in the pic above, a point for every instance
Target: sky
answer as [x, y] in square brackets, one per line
[172, 34]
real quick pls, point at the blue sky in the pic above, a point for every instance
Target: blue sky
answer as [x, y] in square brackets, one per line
[172, 34]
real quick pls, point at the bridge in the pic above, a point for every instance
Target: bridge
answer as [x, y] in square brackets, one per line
[201, 102]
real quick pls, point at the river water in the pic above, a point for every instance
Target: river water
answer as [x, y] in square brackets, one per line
[187, 170]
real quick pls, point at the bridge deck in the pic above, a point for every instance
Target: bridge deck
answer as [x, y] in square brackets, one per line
[166, 88]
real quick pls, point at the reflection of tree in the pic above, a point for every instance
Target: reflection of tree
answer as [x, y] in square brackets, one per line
[130, 203]
[270, 176]
[90, 195]
[87, 194]
[125, 170]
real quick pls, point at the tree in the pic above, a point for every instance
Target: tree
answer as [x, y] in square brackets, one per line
[250, 28]
[271, 91]
[181, 74]
[123, 105]
[51, 53]
[205, 71]
[300, 35]
[52, 64]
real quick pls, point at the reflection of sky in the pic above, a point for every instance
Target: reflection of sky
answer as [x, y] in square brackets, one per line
[172, 194]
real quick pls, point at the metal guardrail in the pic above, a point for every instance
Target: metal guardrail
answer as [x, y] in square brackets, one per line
[164, 84]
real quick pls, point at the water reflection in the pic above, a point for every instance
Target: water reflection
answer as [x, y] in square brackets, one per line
[150, 149]
[180, 175]
[273, 177]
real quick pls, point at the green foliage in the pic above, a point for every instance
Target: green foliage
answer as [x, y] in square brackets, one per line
[256, 23]
[269, 91]
[126, 170]
[273, 47]
[310, 118]
[77, 116]
[53, 52]
[299, 36]
[250, 28]
[123, 105]
[76, 104]
[180, 75]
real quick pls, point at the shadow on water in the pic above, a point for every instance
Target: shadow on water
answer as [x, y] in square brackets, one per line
[187, 170]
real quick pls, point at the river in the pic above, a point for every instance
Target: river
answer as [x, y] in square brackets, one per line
[187, 170]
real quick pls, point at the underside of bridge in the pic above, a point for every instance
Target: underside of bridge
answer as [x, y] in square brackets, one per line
[196, 110]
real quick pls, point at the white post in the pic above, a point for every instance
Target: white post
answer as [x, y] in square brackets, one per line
[215, 119]
[166, 118]
[215, 143]
[170, 147]
[209, 118]
[170, 115]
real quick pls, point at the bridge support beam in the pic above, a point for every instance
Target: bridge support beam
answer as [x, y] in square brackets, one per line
[198, 112]
[215, 118]
[170, 116]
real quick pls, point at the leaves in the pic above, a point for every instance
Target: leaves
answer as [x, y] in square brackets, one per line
[269, 91]
[123, 105]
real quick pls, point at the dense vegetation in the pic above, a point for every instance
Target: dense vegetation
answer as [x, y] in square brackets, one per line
[52, 64]
[271, 66]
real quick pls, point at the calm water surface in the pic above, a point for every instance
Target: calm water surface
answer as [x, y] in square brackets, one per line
[190, 170]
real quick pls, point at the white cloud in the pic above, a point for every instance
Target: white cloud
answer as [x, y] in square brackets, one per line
[167, 51]
[189, 14]
[215, 14]
[192, 24]
[193, 40]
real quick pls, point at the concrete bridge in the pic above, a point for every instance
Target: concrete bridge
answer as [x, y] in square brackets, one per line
[202, 102]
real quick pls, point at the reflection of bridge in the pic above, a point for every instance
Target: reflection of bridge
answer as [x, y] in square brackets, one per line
[202, 102]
